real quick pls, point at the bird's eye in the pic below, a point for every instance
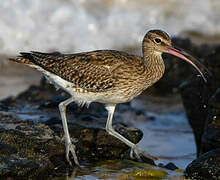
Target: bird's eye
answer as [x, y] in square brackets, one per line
[157, 40]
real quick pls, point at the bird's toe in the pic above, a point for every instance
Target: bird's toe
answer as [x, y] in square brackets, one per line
[71, 148]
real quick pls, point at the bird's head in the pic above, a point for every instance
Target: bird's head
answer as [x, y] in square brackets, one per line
[158, 42]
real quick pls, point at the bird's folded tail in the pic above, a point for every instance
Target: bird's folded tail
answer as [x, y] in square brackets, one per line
[24, 58]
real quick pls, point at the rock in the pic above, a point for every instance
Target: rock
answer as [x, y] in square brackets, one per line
[31, 134]
[211, 134]
[201, 102]
[169, 166]
[213, 63]
[195, 101]
[207, 166]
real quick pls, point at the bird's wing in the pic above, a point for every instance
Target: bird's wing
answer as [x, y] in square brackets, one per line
[92, 71]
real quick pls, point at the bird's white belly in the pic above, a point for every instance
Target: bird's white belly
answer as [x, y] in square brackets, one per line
[81, 96]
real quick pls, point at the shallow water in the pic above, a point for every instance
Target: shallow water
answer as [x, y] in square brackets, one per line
[114, 169]
[170, 138]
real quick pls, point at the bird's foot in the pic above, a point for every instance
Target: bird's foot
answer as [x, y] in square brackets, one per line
[71, 148]
[136, 151]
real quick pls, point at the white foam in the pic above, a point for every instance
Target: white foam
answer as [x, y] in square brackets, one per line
[78, 25]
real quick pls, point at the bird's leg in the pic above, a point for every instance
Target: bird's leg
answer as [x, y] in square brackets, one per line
[69, 146]
[134, 148]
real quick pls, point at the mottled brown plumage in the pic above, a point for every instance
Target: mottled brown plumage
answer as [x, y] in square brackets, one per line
[106, 76]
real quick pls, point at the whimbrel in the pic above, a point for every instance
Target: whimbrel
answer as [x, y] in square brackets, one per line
[106, 76]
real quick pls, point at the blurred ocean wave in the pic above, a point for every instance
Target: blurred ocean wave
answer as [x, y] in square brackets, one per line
[80, 25]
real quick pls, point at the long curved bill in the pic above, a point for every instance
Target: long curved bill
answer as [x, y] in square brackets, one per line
[191, 60]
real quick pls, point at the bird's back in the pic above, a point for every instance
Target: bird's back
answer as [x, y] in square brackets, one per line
[96, 71]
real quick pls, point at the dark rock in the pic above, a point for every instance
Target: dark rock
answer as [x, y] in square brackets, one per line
[3, 107]
[31, 142]
[6, 150]
[7, 102]
[211, 135]
[195, 101]
[169, 166]
[202, 105]
[213, 64]
[207, 166]
[17, 168]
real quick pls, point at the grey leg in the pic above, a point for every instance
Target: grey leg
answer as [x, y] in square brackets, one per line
[134, 148]
[69, 146]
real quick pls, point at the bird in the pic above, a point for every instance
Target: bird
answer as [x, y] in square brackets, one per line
[109, 77]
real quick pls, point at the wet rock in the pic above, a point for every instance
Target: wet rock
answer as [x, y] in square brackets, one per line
[211, 134]
[31, 132]
[169, 166]
[6, 150]
[201, 102]
[195, 101]
[207, 166]
[18, 169]
[213, 63]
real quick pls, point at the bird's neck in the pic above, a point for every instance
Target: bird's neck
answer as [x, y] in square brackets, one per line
[154, 65]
